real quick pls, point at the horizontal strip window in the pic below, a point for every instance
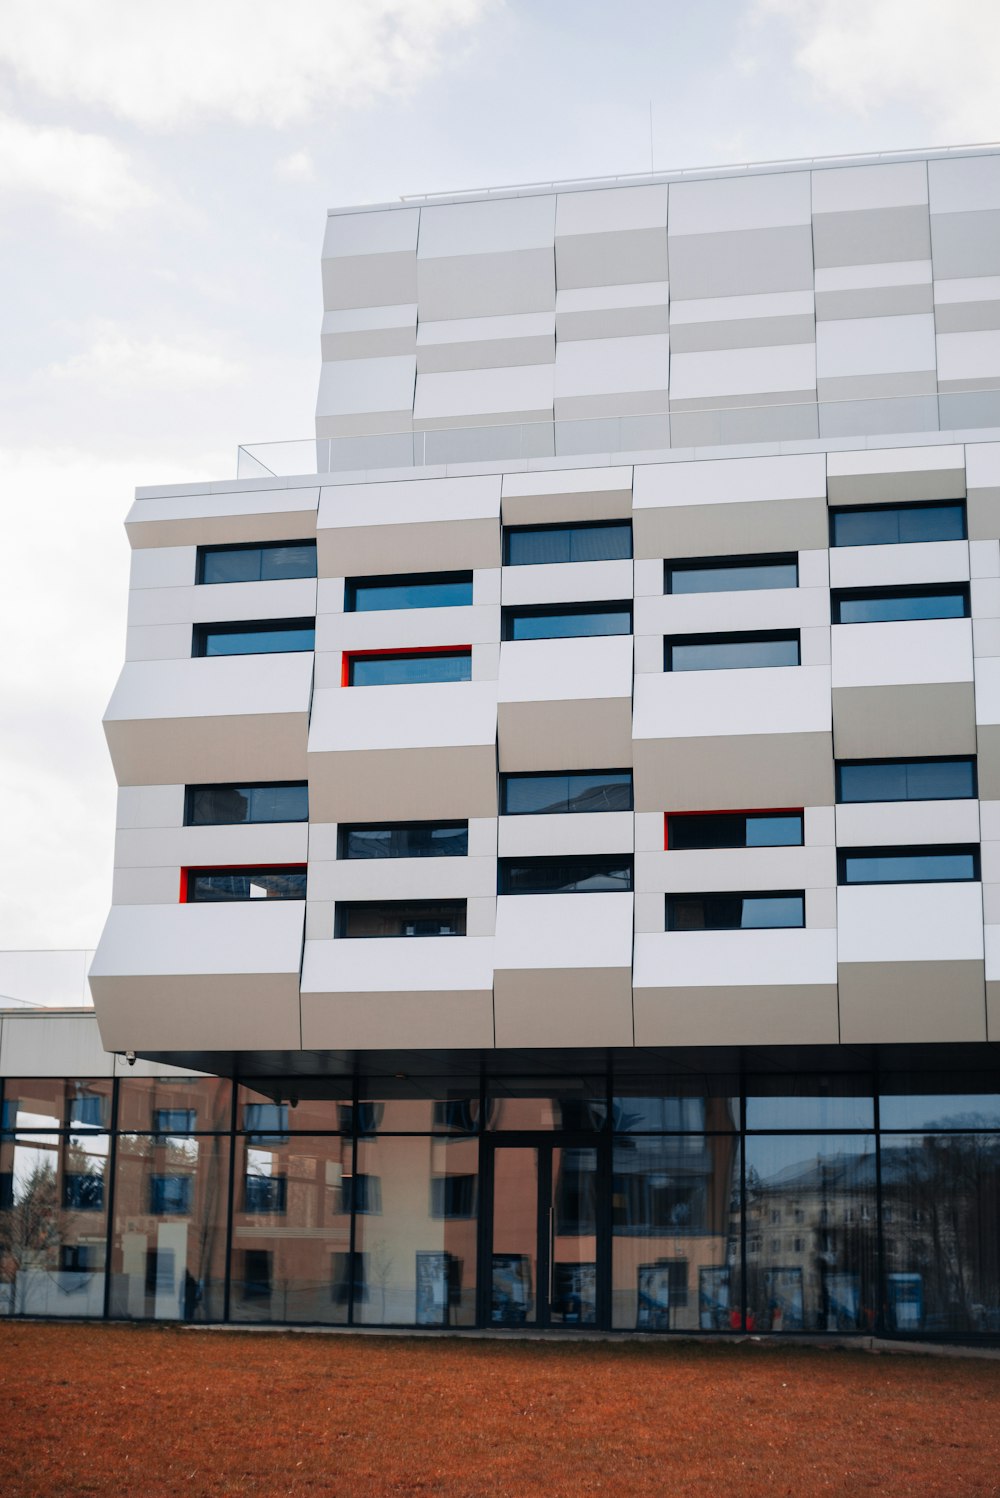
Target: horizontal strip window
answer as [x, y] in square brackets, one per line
[417, 590]
[393, 668]
[937, 864]
[601, 541]
[257, 637]
[562, 621]
[235, 805]
[888, 605]
[579, 874]
[731, 652]
[275, 883]
[731, 574]
[404, 840]
[734, 829]
[948, 779]
[389, 918]
[895, 525]
[548, 793]
[777, 910]
[256, 564]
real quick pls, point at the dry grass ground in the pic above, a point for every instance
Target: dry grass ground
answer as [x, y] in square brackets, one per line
[155, 1412]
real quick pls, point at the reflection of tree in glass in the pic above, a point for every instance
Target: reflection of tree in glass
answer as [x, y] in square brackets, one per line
[31, 1231]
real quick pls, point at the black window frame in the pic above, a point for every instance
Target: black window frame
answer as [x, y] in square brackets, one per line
[693, 818]
[346, 908]
[728, 564]
[404, 579]
[839, 596]
[247, 871]
[431, 824]
[201, 632]
[566, 525]
[734, 637]
[351, 657]
[907, 759]
[190, 792]
[519, 775]
[906, 850]
[581, 861]
[589, 607]
[919, 504]
[734, 894]
[246, 546]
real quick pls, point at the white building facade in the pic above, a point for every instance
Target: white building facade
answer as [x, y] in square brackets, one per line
[607, 705]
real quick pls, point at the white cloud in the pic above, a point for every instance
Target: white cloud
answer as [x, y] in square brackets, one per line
[941, 61]
[119, 360]
[174, 65]
[298, 167]
[87, 175]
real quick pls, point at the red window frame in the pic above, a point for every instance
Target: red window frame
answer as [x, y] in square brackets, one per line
[361, 655]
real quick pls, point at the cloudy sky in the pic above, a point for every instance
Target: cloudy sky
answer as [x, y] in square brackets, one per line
[164, 174]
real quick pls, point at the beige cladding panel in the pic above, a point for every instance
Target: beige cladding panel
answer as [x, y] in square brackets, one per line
[983, 509]
[386, 785]
[561, 1006]
[373, 1021]
[988, 760]
[424, 546]
[223, 530]
[792, 1014]
[751, 527]
[590, 734]
[172, 751]
[562, 509]
[992, 1010]
[926, 719]
[718, 773]
[212, 1012]
[919, 1002]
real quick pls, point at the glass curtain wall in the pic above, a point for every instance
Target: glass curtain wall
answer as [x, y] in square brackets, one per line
[781, 1201]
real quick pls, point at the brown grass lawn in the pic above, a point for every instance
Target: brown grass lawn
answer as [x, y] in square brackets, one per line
[158, 1412]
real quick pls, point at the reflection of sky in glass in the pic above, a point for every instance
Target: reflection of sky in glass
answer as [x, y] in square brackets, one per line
[979, 1110]
[774, 1155]
[89, 1156]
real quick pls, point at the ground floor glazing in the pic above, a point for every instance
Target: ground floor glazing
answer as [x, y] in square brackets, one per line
[820, 1191]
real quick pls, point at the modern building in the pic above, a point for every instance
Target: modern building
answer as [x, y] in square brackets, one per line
[606, 706]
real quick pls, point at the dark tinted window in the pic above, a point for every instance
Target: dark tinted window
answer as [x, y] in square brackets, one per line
[409, 668]
[170, 1195]
[731, 652]
[583, 791]
[401, 918]
[602, 542]
[907, 780]
[891, 525]
[567, 620]
[570, 875]
[727, 829]
[265, 1193]
[246, 884]
[422, 590]
[410, 840]
[253, 638]
[735, 912]
[935, 864]
[731, 575]
[228, 805]
[879, 605]
[253, 564]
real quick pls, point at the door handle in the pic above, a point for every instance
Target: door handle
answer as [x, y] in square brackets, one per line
[552, 1252]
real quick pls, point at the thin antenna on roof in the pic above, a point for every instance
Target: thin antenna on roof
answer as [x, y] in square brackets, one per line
[651, 168]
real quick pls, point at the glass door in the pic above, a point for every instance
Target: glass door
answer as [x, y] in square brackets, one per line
[544, 1239]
